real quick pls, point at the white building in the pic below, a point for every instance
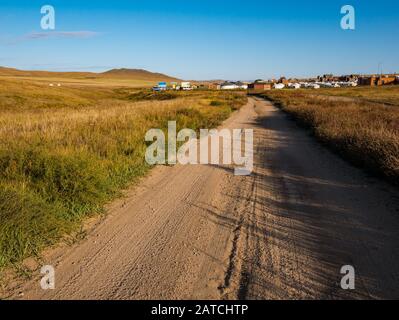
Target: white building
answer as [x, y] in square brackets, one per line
[229, 86]
[279, 86]
[294, 85]
[186, 86]
[242, 85]
[233, 85]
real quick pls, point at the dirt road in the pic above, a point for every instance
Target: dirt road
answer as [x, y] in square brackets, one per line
[201, 232]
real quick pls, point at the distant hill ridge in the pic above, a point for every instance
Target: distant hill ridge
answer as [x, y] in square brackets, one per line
[134, 74]
[137, 74]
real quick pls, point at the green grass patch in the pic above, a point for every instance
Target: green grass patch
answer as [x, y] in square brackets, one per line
[62, 160]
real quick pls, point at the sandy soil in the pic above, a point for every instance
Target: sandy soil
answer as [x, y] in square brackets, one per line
[193, 232]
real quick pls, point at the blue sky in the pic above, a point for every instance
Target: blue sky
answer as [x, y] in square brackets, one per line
[202, 39]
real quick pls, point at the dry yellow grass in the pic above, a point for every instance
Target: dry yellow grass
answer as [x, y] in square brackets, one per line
[116, 77]
[364, 132]
[385, 95]
[65, 152]
[79, 82]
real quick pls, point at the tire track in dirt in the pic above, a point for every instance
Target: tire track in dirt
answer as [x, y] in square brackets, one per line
[199, 232]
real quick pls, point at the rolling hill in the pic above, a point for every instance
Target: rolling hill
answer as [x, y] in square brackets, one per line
[137, 74]
[124, 74]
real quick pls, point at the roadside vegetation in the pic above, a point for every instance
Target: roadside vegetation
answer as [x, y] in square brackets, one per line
[383, 95]
[67, 151]
[363, 132]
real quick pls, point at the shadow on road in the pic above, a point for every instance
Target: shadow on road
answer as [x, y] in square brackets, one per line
[311, 213]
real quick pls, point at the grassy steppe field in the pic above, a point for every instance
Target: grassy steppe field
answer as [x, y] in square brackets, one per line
[385, 95]
[66, 151]
[364, 130]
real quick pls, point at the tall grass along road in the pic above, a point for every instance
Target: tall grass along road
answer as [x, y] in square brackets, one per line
[67, 151]
[361, 130]
[201, 232]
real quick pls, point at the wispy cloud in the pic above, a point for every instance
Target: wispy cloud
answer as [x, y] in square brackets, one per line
[54, 35]
[60, 34]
